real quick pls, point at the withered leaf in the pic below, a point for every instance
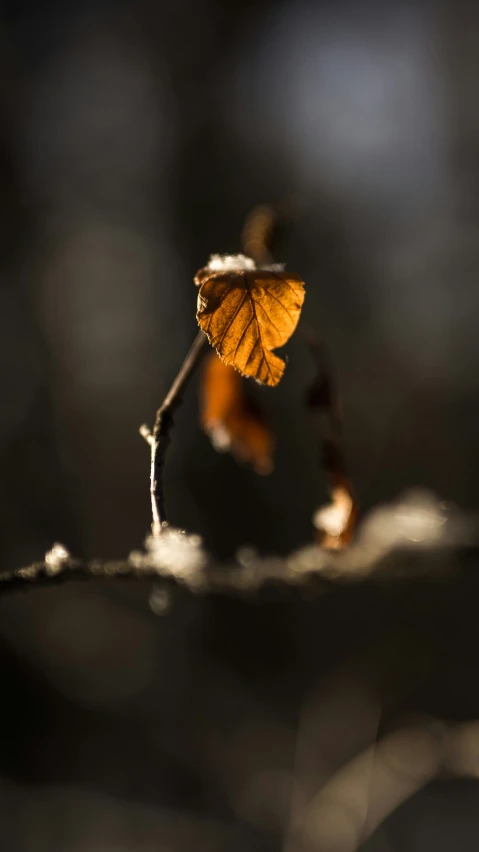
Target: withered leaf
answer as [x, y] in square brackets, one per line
[246, 313]
[335, 523]
[232, 420]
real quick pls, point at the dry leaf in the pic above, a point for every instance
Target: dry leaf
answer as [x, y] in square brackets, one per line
[233, 421]
[335, 523]
[247, 312]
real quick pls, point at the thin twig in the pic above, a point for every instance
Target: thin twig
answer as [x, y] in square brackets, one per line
[323, 396]
[159, 438]
[261, 227]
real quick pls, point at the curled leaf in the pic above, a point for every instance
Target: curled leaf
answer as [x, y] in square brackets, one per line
[247, 312]
[232, 420]
[335, 523]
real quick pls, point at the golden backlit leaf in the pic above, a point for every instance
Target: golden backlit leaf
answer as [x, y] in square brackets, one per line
[232, 420]
[248, 312]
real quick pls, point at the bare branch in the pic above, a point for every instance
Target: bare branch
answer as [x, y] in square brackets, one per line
[264, 225]
[159, 439]
[336, 522]
[231, 578]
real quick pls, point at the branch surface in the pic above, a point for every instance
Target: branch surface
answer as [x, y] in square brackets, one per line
[159, 439]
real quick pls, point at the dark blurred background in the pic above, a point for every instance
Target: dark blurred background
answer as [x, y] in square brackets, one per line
[135, 138]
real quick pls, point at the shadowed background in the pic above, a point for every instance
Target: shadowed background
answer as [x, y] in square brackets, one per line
[135, 138]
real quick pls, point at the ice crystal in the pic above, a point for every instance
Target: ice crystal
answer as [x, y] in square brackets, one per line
[56, 557]
[230, 263]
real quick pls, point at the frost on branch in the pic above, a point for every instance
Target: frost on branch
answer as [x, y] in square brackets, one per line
[415, 536]
[174, 553]
[417, 521]
[56, 558]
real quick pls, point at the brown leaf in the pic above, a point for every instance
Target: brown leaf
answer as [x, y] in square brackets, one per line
[248, 312]
[233, 421]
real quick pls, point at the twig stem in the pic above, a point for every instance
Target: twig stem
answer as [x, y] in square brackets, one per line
[323, 396]
[159, 438]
